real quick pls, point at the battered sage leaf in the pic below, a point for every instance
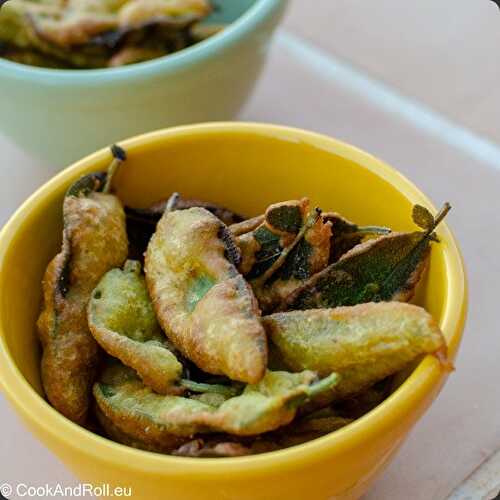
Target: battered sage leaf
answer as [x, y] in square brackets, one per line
[149, 417]
[346, 234]
[168, 443]
[94, 241]
[423, 218]
[95, 34]
[288, 247]
[363, 343]
[122, 320]
[203, 304]
[382, 269]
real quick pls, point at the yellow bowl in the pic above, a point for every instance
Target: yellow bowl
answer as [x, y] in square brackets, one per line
[245, 167]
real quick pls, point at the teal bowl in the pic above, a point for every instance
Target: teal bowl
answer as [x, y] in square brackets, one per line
[61, 115]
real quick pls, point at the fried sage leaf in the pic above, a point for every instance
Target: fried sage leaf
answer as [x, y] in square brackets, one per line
[22, 27]
[14, 20]
[141, 222]
[203, 304]
[423, 218]
[122, 320]
[284, 251]
[167, 444]
[94, 241]
[346, 234]
[93, 34]
[146, 416]
[363, 343]
[382, 269]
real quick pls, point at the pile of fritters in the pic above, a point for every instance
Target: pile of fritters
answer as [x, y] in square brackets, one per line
[241, 335]
[82, 34]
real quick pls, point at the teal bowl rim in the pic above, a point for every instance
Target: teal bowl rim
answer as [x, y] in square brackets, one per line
[241, 27]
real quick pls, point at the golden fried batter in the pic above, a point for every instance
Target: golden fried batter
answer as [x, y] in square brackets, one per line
[146, 416]
[94, 241]
[122, 320]
[290, 245]
[363, 343]
[167, 445]
[99, 33]
[204, 305]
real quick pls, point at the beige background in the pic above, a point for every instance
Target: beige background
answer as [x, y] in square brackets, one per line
[417, 84]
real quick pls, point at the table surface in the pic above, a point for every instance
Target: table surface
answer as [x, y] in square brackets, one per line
[415, 83]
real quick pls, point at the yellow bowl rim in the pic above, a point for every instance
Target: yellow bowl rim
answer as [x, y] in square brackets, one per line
[381, 419]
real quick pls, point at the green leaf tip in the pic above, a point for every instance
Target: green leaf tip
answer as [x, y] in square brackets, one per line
[422, 217]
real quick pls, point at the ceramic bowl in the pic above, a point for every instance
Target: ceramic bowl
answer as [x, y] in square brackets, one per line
[59, 116]
[245, 167]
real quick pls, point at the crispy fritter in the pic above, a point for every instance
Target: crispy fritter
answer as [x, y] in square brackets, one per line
[386, 268]
[94, 241]
[203, 304]
[167, 445]
[346, 234]
[122, 320]
[363, 343]
[290, 245]
[100, 33]
[147, 416]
